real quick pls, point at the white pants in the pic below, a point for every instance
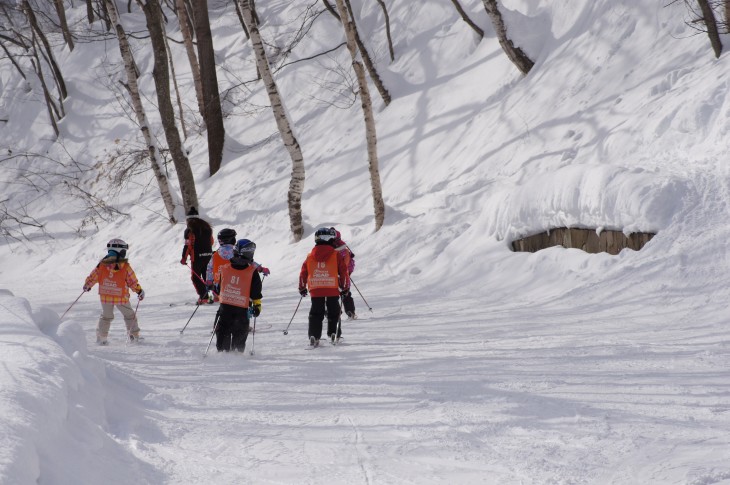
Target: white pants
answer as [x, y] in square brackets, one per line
[107, 315]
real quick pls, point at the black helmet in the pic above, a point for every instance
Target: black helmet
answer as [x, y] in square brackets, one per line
[245, 249]
[325, 235]
[227, 236]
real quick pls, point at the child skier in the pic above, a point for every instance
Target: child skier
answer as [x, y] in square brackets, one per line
[324, 274]
[239, 286]
[221, 257]
[115, 277]
[341, 247]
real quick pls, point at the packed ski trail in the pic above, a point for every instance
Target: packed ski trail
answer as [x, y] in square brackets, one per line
[536, 393]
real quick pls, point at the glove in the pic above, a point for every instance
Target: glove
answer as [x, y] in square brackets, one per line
[256, 308]
[345, 293]
[264, 270]
[183, 262]
[140, 294]
[303, 292]
[87, 288]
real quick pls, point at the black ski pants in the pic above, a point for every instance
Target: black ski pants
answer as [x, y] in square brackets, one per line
[200, 266]
[321, 305]
[348, 303]
[232, 329]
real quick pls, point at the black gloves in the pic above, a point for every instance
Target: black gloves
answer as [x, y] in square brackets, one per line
[303, 292]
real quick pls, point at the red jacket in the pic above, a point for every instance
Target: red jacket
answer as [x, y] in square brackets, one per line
[320, 254]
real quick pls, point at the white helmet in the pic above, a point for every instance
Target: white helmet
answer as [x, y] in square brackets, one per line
[118, 246]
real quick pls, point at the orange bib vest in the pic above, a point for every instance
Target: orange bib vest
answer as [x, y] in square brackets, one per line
[322, 274]
[236, 286]
[219, 262]
[113, 283]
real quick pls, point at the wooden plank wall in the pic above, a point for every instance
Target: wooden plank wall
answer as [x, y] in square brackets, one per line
[611, 242]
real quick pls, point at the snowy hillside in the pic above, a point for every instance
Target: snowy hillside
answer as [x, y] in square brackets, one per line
[476, 364]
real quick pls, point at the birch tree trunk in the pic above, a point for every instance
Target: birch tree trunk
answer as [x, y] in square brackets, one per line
[161, 76]
[367, 109]
[515, 54]
[211, 97]
[64, 24]
[130, 67]
[296, 184]
[187, 35]
[384, 94]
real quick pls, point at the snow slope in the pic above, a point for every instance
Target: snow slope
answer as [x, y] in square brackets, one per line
[476, 364]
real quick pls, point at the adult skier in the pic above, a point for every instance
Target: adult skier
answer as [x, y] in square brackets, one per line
[199, 248]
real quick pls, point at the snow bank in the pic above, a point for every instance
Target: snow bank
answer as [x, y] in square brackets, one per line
[61, 408]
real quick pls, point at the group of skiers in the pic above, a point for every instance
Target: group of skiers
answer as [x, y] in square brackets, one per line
[230, 276]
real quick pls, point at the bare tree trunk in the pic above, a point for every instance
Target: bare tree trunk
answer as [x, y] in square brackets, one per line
[161, 76]
[177, 90]
[240, 19]
[105, 15]
[515, 54]
[12, 59]
[332, 10]
[64, 25]
[466, 19]
[367, 109]
[708, 16]
[384, 94]
[387, 29]
[187, 35]
[213, 113]
[726, 9]
[52, 109]
[130, 68]
[296, 185]
[49, 53]
[90, 11]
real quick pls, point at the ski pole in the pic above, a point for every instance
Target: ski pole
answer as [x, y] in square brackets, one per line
[215, 327]
[191, 317]
[72, 304]
[286, 331]
[253, 338]
[201, 279]
[363, 298]
[339, 324]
